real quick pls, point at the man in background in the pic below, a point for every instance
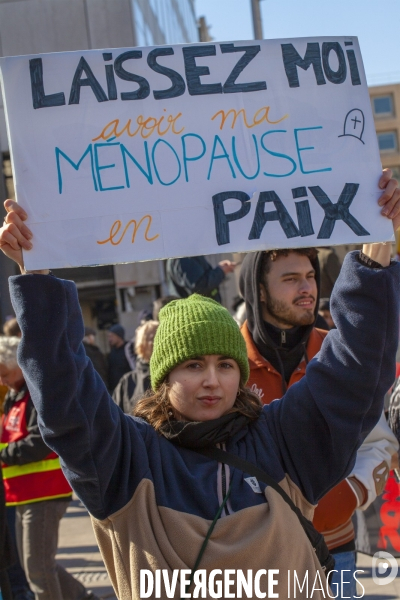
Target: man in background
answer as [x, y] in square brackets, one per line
[95, 354]
[195, 275]
[330, 268]
[324, 311]
[281, 291]
[118, 363]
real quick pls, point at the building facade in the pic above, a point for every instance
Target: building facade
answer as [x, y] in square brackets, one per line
[107, 294]
[164, 22]
[385, 100]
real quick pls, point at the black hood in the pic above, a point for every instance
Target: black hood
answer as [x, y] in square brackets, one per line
[249, 284]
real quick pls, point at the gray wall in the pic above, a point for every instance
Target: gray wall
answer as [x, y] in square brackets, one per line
[37, 26]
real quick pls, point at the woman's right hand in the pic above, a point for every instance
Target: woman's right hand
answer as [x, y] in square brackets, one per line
[15, 235]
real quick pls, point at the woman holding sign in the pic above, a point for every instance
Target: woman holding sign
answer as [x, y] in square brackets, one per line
[184, 495]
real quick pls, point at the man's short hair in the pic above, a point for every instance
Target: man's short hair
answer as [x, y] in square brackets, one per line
[8, 351]
[271, 256]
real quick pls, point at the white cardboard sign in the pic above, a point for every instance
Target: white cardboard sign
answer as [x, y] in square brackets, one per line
[133, 154]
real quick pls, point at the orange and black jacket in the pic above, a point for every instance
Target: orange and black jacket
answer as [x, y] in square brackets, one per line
[270, 379]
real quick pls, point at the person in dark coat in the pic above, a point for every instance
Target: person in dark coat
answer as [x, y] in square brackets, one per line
[118, 363]
[95, 354]
[324, 311]
[195, 275]
[330, 269]
[134, 384]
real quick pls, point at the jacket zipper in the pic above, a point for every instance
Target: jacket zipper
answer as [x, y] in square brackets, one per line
[223, 476]
[224, 490]
[226, 510]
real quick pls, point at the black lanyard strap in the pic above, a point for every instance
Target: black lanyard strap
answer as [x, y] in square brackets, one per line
[205, 542]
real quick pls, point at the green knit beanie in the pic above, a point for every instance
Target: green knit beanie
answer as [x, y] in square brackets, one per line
[195, 326]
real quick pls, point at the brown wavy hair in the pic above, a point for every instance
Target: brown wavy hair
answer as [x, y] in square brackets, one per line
[156, 409]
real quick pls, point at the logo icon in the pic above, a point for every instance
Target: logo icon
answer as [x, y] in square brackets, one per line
[253, 483]
[384, 568]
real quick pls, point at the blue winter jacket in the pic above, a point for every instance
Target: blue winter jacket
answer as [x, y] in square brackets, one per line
[152, 502]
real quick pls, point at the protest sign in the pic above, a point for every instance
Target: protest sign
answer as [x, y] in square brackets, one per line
[134, 154]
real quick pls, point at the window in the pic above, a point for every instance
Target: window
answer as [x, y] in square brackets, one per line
[387, 141]
[143, 32]
[383, 106]
[164, 21]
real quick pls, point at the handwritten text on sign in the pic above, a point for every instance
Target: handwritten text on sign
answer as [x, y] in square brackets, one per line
[137, 154]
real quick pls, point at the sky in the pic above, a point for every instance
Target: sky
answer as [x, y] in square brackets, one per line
[377, 30]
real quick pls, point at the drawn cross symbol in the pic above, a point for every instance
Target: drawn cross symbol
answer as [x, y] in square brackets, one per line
[355, 116]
